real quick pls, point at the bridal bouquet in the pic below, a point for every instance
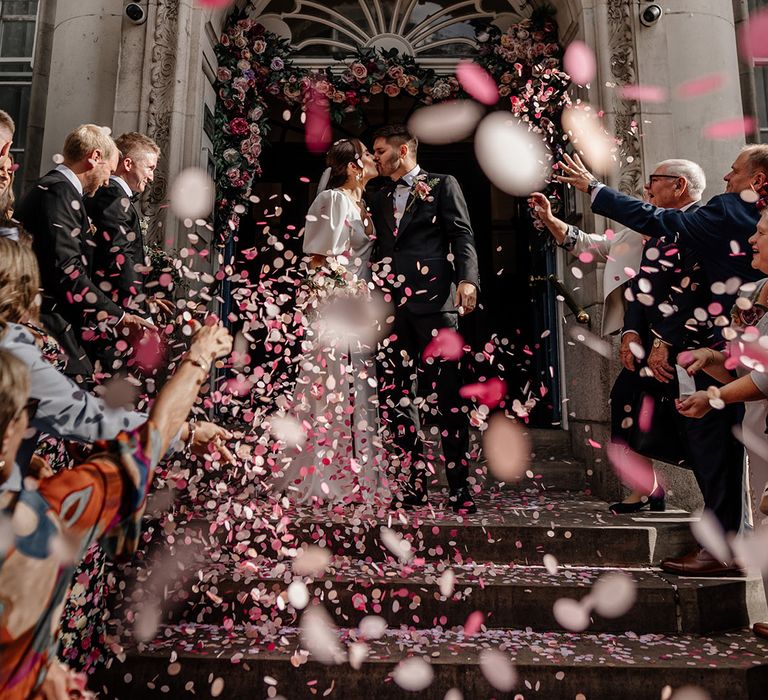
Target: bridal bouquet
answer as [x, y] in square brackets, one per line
[333, 280]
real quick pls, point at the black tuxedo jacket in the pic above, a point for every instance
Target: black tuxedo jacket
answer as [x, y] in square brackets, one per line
[54, 214]
[669, 286]
[419, 249]
[716, 232]
[119, 254]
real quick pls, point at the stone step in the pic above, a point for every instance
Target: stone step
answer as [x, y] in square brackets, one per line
[253, 662]
[514, 597]
[509, 528]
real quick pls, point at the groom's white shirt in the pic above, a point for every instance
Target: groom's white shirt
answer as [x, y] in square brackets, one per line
[402, 192]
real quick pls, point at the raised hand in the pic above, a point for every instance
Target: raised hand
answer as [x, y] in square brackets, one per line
[466, 298]
[576, 172]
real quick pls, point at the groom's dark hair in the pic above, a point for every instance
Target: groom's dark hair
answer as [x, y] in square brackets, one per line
[397, 135]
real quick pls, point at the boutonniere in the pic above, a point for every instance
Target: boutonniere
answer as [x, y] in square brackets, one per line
[422, 188]
[144, 226]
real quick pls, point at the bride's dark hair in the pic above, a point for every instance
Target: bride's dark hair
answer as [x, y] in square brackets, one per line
[339, 156]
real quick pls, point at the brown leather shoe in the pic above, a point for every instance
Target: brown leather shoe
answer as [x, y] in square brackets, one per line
[699, 563]
[761, 629]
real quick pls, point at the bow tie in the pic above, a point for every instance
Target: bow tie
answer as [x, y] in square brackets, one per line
[392, 185]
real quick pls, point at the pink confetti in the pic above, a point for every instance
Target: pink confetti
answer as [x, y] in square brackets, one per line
[318, 125]
[476, 82]
[642, 93]
[729, 128]
[579, 62]
[753, 38]
[632, 469]
[489, 393]
[506, 447]
[447, 344]
[645, 416]
[214, 3]
[700, 86]
[474, 623]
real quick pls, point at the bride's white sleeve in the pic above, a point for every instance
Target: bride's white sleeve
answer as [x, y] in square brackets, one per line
[327, 230]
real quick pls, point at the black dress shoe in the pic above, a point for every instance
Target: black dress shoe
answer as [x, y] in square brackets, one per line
[462, 502]
[411, 498]
[656, 501]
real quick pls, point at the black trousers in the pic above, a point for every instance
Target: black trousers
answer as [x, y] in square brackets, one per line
[401, 369]
[711, 449]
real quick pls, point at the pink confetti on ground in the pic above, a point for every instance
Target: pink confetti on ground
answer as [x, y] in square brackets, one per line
[477, 83]
[642, 93]
[579, 62]
[700, 86]
[729, 128]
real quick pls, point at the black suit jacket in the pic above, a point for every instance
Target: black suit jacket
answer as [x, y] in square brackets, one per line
[668, 288]
[418, 249]
[118, 255]
[718, 233]
[54, 214]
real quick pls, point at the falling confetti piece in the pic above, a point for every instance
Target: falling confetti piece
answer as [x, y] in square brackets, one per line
[320, 637]
[446, 582]
[571, 615]
[413, 674]
[447, 122]
[613, 595]
[358, 653]
[298, 595]
[476, 82]
[373, 627]
[395, 543]
[192, 194]
[632, 469]
[217, 687]
[730, 128]
[550, 564]
[473, 624]
[287, 429]
[642, 93]
[580, 63]
[589, 138]
[709, 534]
[488, 393]
[753, 38]
[701, 86]
[447, 344]
[312, 561]
[691, 692]
[515, 159]
[498, 669]
[507, 448]
[318, 125]
[215, 3]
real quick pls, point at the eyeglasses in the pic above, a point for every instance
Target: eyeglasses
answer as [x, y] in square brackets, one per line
[652, 178]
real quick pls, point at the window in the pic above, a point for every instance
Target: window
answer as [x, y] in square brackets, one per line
[18, 19]
[761, 82]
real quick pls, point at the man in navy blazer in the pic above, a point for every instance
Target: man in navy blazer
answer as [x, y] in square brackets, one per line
[718, 233]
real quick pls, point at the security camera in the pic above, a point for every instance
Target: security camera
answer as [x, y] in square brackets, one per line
[136, 13]
[651, 14]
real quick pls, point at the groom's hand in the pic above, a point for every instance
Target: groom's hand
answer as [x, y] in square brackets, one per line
[466, 298]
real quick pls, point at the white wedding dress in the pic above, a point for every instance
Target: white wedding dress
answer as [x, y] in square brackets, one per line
[338, 455]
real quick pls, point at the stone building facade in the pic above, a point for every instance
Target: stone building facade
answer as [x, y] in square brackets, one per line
[67, 62]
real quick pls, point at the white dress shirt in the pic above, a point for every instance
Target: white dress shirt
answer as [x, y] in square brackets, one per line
[67, 172]
[402, 192]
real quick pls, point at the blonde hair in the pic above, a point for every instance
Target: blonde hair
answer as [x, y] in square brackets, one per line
[14, 389]
[133, 143]
[87, 138]
[19, 282]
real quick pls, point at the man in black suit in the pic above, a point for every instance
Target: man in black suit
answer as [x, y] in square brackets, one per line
[119, 256]
[74, 309]
[427, 261]
[718, 233]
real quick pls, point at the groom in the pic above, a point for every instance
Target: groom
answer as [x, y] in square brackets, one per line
[427, 262]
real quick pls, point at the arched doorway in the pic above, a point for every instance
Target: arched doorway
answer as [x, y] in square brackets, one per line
[433, 36]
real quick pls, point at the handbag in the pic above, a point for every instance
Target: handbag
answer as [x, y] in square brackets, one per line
[663, 438]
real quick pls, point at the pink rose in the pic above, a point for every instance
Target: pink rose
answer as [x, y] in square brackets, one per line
[392, 90]
[402, 81]
[238, 126]
[359, 71]
[376, 89]
[396, 72]
[224, 75]
[259, 46]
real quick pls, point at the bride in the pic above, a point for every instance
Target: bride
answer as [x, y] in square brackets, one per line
[328, 436]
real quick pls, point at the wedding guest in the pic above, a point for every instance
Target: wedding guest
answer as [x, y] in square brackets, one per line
[750, 324]
[101, 500]
[54, 214]
[7, 131]
[645, 276]
[716, 232]
[7, 198]
[119, 255]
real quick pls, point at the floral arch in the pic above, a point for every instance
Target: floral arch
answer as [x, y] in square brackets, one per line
[273, 56]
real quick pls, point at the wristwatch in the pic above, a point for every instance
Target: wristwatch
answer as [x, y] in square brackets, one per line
[658, 342]
[592, 184]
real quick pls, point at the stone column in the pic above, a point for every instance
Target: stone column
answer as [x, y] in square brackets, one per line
[84, 45]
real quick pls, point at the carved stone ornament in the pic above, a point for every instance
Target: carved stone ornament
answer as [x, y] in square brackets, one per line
[162, 72]
[622, 51]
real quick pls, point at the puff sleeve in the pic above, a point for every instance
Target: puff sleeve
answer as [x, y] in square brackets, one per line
[327, 231]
